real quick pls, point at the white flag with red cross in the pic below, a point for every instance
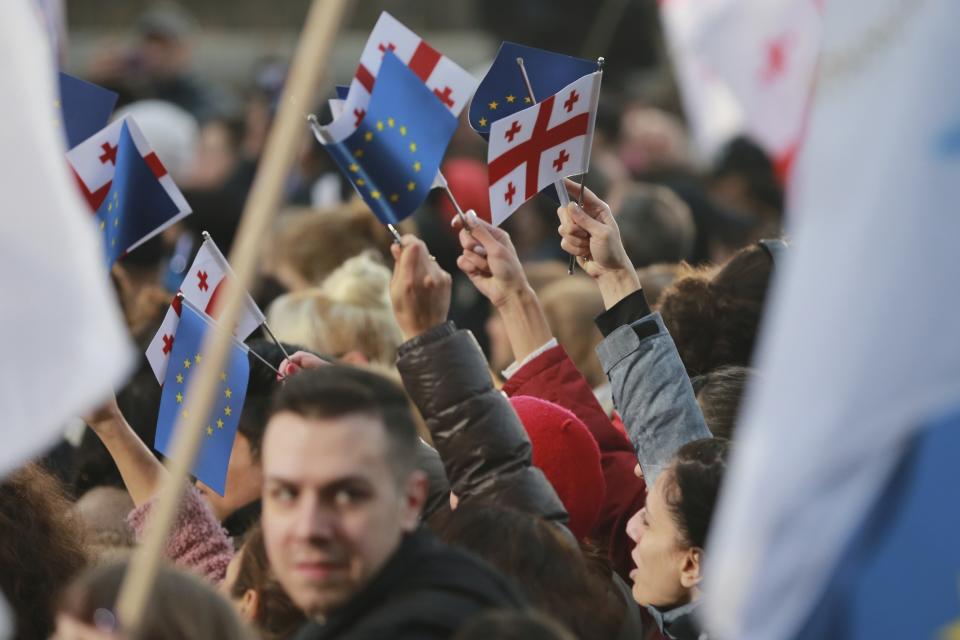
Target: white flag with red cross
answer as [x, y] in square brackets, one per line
[202, 286]
[452, 85]
[534, 148]
[761, 53]
[94, 162]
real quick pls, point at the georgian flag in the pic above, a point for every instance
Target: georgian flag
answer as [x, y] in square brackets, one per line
[452, 85]
[201, 287]
[94, 161]
[534, 148]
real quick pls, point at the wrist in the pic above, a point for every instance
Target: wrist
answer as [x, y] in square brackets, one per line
[526, 326]
[617, 284]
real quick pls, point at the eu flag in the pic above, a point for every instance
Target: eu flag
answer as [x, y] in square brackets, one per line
[502, 92]
[220, 427]
[85, 108]
[393, 156]
[137, 207]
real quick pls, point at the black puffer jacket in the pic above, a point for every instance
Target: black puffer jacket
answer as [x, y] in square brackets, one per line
[483, 445]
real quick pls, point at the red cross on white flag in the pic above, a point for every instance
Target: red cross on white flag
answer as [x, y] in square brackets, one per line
[452, 85]
[534, 148]
[201, 287]
[745, 66]
[94, 161]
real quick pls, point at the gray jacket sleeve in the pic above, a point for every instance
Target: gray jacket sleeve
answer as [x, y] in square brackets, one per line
[651, 391]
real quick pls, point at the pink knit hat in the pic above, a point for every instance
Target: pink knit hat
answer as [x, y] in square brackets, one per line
[566, 452]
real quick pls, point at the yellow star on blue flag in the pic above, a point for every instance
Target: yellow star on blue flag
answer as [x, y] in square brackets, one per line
[220, 427]
[395, 153]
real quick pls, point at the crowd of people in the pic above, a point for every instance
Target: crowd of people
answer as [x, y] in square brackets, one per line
[465, 441]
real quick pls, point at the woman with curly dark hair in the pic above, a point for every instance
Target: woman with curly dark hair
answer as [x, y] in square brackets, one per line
[713, 314]
[42, 547]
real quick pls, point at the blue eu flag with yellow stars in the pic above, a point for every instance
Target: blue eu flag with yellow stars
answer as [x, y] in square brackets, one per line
[137, 205]
[85, 108]
[220, 427]
[393, 156]
[502, 92]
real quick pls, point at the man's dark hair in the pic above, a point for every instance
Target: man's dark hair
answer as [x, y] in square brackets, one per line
[338, 390]
[694, 483]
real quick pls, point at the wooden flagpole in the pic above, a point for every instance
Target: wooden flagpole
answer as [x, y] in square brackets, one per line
[309, 64]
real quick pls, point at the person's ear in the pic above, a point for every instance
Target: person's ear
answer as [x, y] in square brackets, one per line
[691, 561]
[414, 498]
[249, 604]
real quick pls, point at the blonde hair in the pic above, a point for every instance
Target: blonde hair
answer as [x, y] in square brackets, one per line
[570, 305]
[350, 312]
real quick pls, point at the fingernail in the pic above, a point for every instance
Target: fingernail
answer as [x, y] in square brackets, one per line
[472, 217]
[479, 250]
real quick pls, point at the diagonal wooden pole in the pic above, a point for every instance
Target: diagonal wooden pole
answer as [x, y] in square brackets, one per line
[309, 63]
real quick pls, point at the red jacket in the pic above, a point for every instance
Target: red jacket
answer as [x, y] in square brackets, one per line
[552, 376]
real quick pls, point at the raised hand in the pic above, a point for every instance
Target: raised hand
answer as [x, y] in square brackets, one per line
[490, 261]
[419, 289]
[591, 235]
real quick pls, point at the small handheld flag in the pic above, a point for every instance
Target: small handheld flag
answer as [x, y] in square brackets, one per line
[137, 207]
[201, 287]
[221, 426]
[393, 157]
[94, 162]
[535, 147]
[450, 85]
[502, 92]
[85, 108]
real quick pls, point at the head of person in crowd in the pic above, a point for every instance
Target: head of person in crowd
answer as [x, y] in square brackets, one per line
[543, 560]
[567, 453]
[103, 511]
[164, 48]
[341, 488]
[655, 224]
[245, 472]
[42, 547]
[348, 318]
[656, 278]
[719, 394]
[540, 274]
[744, 178]
[256, 594]
[713, 315]
[512, 625]
[571, 304]
[652, 139]
[670, 532]
[309, 245]
[181, 606]
[217, 154]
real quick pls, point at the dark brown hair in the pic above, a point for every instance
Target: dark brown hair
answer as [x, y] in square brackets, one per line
[512, 625]
[719, 394]
[713, 319]
[181, 605]
[41, 548]
[337, 390]
[544, 562]
[693, 483]
[277, 617]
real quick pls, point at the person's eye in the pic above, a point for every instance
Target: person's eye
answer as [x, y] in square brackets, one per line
[350, 496]
[283, 494]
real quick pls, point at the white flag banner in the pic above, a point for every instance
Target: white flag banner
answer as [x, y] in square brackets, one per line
[533, 148]
[745, 65]
[452, 85]
[67, 345]
[860, 349]
[201, 287]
